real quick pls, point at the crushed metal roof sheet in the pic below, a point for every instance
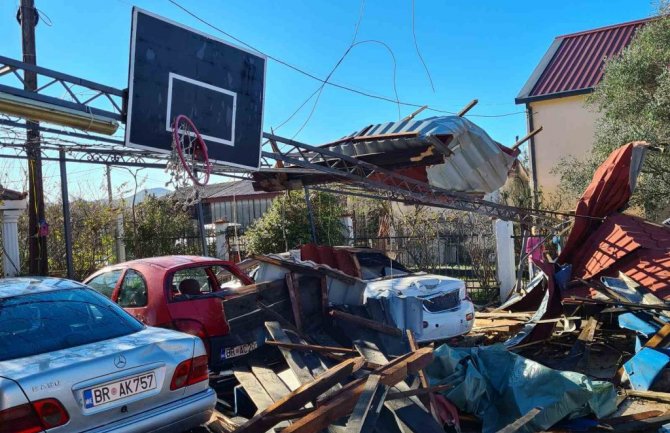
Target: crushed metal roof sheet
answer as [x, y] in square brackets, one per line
[449, 152]
[473, 161]
[574, 63]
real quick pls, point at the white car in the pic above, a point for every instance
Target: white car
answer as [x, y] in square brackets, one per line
[446, 309]
[434, 307]
[73, 361]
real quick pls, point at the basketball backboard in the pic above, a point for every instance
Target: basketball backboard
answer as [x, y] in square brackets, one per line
[177, 70]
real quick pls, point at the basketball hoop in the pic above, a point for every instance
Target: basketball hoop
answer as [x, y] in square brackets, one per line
[191, 149]
[189, 165]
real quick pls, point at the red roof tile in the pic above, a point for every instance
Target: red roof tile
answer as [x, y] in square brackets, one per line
[574, 62]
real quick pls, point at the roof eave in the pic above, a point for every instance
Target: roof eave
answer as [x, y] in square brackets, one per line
[557, 95]
[527, 88]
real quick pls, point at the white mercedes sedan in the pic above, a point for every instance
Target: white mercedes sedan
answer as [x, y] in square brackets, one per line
[73, 361]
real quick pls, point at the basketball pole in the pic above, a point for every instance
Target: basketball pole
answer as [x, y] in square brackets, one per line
[310, 215]
[201, 218]
[37, 240]
[67, 223]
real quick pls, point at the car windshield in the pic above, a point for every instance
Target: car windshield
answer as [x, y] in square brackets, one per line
[376, 265]
[60, 319]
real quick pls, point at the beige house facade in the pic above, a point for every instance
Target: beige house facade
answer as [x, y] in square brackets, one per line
[555, 98]
[568, 128]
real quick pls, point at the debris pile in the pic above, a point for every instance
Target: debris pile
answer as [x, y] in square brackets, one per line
[584, 346]
[360, 390]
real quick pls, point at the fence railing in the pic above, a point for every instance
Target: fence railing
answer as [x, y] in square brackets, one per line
[471, 258]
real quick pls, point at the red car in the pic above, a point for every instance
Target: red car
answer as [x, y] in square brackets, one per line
[184, 293]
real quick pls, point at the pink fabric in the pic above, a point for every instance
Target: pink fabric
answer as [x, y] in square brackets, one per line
[536, 254]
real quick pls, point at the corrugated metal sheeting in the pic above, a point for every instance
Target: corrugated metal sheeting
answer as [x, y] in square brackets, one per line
[473, 162]
[575, 63]
[243, 211]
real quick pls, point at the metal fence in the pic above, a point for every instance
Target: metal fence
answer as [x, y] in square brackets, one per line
[471, 258]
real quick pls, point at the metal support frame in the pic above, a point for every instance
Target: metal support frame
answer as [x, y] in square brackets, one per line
[114, 97]
[359, 177]
[365, 179]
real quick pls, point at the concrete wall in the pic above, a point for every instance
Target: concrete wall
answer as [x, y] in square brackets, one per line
[569, 129]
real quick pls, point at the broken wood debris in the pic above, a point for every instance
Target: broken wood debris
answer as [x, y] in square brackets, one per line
[371, 324]
[417, 392]
[344, 390]
[310, 347]
[295, 400]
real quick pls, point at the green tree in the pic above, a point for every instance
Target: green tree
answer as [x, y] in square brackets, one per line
[92, 237]
[157, 227]
[633, 100]
[286, 223]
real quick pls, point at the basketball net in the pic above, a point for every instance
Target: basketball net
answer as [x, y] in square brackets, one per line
[188, 164]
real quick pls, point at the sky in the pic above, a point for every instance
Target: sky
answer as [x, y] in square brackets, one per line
[483, 49]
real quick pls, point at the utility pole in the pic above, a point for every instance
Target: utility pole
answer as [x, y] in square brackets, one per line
[37, 231]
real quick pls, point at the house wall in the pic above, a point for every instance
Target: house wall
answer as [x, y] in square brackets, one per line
[568, 129]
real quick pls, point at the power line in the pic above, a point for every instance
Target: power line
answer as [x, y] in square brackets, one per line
[324, 81]
[418, 52]
[319, 91]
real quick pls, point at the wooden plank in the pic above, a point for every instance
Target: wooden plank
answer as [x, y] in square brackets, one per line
[292, 284]
[220, 423]
[308, 270]
[361, 411]
[632, 417]
[279, 318]
[413, 346]
[289, 415]
[420, 391]
[253, 387]
[311, 347]
[649, 395]
[275, 387]
[304, 394]
[414, 114]
[503, 315]
[294, 360]
[371, 324]
[342, 403]
[580, 351]
[658, 338]
[467, 108]
[516, 425]
[648, 424]
[409, 413]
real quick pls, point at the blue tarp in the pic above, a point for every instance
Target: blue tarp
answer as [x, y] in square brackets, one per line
[500, 386]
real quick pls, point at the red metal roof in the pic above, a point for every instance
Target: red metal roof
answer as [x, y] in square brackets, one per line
[623, 243]
[574, 63]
